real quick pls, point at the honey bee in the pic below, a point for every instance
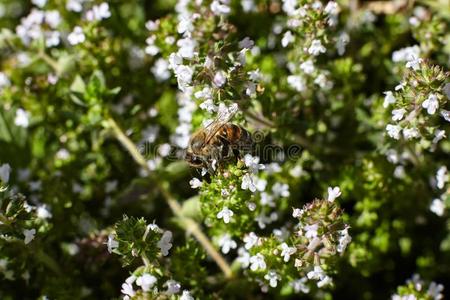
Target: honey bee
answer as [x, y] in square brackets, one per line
[217, 142]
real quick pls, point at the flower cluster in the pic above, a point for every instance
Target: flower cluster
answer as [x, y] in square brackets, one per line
[99, 103]
[304, 251]
[419, 103]
[416, 288]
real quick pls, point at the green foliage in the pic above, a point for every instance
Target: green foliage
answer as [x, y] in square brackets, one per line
[346, 104]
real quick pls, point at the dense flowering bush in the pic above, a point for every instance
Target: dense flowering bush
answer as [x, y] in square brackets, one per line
[343, 193]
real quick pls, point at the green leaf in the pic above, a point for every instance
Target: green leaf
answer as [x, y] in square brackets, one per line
[78, 85]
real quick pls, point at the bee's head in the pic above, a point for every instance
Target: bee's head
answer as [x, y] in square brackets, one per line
[194, 160]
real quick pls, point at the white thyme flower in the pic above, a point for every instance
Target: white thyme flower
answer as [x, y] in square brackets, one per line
[280, 190]
[161, 69]
[5, 171]
[75, 5]
[184, 76]
[187, 47]
[195, 183]
[173, 287]
[39, 3]
[388, 99]
[307, 66]
[112, 243]
[438, 207]
[29, 235]
[344, 240]
[393, 131]
[186, 296]
[220, 78]
[127, 289]
[288, 38]
[98, 12]
[252, 162]
[397, 114]
[316, 48]
[219, 7]
[410, 133]
[165, 243]
[414, 63]
[435, 291]
[246, 43]
[248, 183]
[257, 262]
[250, 240]
[22, 118]
[43, 212]
[248, 6]
[442, 177]
[406, 54]
[326, 280]
[146, 282]
[311, 230]
[297, 212]
[332, 8]
[226, 243]
[267, 200]
[431, 104]
[297, 82]
[273, 278]
[261, 185]
[316, 274]
[287, 251]
[299, 285]
[225, 214]
[342, 42]
[445, 114]
[333, 193]
[243, 258]
[184, 25]
[438, 135]
[4, 81]
[52, 18]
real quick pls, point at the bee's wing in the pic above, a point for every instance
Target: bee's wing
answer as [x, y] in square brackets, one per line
[223, 116]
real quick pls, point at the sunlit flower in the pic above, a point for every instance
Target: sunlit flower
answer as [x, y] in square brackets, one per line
[112, 243]
[22, 118]
[29, 235]
[225, 214]
[146, 281]
[250, 240]
[257, 262]
[316, 48]
[186, 296]
[195, 183]
[388, 99]
[273, 278]
[173, 287]
[98, 12]
[165, 243]
[431, 104]
[397, 114]
[5, 171]
[287, 251]
[438, 207]
[333, 193]
[393, 131]
[226, 243]
[76, 36]
[442, 177]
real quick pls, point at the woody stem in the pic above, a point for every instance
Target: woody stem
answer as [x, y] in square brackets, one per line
[189, 225]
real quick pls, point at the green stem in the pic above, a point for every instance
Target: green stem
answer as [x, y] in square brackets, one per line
[4, 219]
[189, 225]
[50, 61]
